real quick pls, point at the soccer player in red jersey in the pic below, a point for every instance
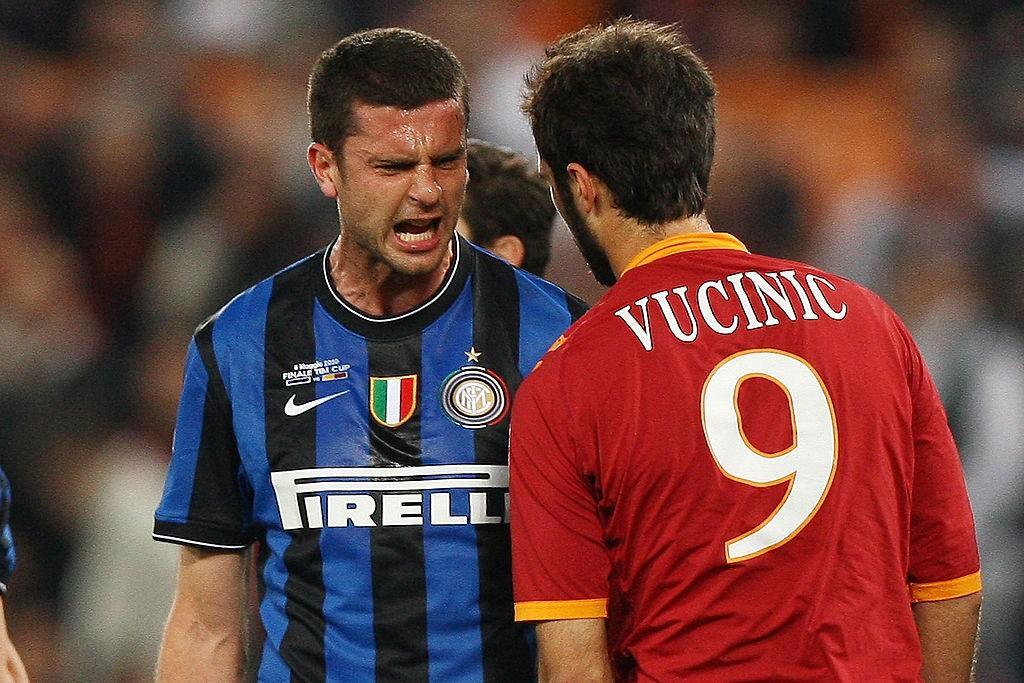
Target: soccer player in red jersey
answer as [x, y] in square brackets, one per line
[734, 467]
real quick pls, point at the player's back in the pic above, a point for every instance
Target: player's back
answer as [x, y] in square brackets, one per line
[771, 469]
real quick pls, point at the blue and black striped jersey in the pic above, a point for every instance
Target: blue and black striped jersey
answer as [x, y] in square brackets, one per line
[369, 456]
[7, 556]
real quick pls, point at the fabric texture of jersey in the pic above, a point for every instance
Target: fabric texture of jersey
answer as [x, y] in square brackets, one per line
[369, 458]
[7, 555]
[743, 463]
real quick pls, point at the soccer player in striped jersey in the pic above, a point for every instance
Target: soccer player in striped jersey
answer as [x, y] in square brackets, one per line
[508, 208]
[734, 467]
[11, 667]
[351, 412]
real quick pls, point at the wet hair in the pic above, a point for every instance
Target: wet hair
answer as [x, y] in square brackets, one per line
[390, 67]
[631, 103]
[506, 196]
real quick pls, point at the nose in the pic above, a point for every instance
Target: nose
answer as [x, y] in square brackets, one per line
[424, 188]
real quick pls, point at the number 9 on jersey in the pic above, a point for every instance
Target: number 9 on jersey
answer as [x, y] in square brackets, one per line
[809, 464]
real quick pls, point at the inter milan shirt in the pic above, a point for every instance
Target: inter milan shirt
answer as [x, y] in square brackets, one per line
[7, 554]
[369, 458]
[743, 463]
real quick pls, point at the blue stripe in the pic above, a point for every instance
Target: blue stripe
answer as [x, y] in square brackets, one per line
[453, 582]
[538, 327]
[343, 441]
[275, 621]
[181, 473]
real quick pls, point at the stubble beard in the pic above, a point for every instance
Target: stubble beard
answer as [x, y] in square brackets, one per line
[586, 242]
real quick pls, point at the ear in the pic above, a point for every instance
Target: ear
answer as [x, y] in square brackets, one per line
[510, 248]
[584, 187]
[324, 165]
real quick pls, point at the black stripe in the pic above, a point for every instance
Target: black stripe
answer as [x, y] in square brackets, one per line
[397, 561]
[496, 335]
[577, 306]
[291, 444]
[216, 498]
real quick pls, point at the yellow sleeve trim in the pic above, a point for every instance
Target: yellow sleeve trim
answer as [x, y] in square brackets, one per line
[544, 610]
[945, 590]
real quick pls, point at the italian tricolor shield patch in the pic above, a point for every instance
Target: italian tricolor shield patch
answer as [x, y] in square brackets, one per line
[392, 399]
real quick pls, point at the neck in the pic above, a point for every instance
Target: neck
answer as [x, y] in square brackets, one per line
[629, 237]
[375, 288]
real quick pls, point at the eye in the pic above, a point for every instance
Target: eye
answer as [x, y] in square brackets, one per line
[392, 167]
[448, 163]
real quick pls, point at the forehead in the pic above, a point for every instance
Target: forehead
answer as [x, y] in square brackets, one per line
[435, 126]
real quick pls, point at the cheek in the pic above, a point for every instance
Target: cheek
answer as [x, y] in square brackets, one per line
[453, 183]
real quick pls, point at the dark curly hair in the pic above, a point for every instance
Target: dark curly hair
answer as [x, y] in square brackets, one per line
[632, 104]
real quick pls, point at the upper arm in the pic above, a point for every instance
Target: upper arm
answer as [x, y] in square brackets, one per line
[205, 634]
[573, 650]
[205, 500]
[559, 561]
[944, 560]
[211, 586]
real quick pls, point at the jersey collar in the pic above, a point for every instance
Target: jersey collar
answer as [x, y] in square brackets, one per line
[694, 241]
[410, 322]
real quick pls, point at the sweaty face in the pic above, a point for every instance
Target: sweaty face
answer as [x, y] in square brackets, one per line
[402, 176]
[586, 242]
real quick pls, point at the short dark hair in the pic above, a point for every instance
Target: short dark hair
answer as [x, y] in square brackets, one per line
[391, 67]
[506, 196]
[632, 104]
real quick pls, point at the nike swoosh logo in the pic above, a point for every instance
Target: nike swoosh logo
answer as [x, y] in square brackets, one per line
[291, 408]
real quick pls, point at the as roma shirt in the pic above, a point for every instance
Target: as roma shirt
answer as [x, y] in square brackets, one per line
[743, 463]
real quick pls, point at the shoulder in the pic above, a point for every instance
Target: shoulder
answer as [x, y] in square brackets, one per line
[247, 311]
[538, 297]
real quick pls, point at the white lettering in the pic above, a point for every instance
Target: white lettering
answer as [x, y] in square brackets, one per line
[403, 509]
[346, 508]
[300, 490]
[670, 316]
[812, 284]
[643, 333]
[478, 509]
[441, 510]
[809, 313]
[736, 280]
[779, 296]
[704, 304]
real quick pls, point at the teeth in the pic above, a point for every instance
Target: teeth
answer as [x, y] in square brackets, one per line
[415, 237]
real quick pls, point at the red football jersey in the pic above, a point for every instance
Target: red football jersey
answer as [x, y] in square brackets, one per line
[743, 463]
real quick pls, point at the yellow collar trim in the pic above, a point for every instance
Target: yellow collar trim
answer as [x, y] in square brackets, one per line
[689, 242]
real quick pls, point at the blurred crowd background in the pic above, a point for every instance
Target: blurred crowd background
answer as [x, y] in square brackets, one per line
[152, 165]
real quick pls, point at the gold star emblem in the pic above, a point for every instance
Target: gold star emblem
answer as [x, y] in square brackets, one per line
[472, 355]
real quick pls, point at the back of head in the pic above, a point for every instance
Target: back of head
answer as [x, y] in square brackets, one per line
[506, 196]
[633, 105]
[384, 67]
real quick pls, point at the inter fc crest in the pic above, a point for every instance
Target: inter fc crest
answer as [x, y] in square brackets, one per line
[474, 397]
[393, 399]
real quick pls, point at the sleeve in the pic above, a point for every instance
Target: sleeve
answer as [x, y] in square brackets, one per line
[206, 500]
[944, 560]
[560, 564]
[7, 555]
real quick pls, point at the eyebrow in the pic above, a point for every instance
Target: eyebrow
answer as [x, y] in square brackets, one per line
[399, 159]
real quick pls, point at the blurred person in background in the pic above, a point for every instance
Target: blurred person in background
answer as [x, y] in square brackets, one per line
[11, 668]
[507, 209]
[625, 547]
[392, 353]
